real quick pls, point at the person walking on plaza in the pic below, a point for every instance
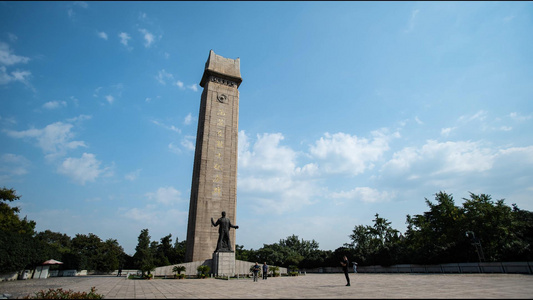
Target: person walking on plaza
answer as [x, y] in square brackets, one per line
[255, 270]
[344, 264]
[265, 271]
[354, 267]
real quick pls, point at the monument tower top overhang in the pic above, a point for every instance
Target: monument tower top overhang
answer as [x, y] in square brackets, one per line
[225, 68]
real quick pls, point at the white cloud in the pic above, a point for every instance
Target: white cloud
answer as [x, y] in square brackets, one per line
[8, 58]
[521, 155]
[163, 76]
[148, 37]
[343, 153]
[506, 128]
[133, 175]
[12, 165]
[124, 38]
[173, 148]
[102, 35]
[193, 87]
[268, 155]
[96, 91]
[143, 16]
[412, 20]
[364, 194]
[54, 104]
[75, 100]
[188, 119]
[188, 142]
[81, 4]
[12, 37]
[80, 118]
[9, 120]
[83, 169]
[446, 131]
[179, 84]
[436, 158]
[165, 195]
[156, 219]
[517, 117]
[110, 99]
[169, 127]
[269, 177]
[54, 139]
[21, 76]
[479, 116]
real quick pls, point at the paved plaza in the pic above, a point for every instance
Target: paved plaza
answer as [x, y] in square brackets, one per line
[316, 286]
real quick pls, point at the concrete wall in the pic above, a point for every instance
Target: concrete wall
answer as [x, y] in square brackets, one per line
[241, 268]
[9, 276]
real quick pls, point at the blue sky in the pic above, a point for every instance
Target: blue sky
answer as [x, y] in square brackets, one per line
[347, 109]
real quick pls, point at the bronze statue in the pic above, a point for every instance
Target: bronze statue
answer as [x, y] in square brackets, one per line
[223, 244]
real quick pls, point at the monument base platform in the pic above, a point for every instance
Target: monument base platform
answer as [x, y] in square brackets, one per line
[223, 263]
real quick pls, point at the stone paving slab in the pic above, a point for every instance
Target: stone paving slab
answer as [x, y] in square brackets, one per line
[315, 286]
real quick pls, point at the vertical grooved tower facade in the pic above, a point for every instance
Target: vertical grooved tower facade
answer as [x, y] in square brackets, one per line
[214, 179]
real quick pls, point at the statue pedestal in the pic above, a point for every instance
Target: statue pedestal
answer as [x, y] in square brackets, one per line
[224, 263]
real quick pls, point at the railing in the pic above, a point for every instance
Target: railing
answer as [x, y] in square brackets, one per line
[482, 267]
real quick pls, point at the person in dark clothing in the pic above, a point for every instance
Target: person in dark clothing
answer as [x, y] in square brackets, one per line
[265, 271]
[256, 268]
[345, 263]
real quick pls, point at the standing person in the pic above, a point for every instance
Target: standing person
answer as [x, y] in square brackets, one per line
[355, 267]
[119, 271]
[344, 264]
[265, 271]
[255, 270]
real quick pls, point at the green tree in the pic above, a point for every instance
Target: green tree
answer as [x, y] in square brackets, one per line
[520, 247]
[163, 251]
[143, 257]
[437, 236]
[178, 252]
[492, 224]
[56, 245]
[18, 247]
[9, 218]
[377, 244]
[110, 256]
[86, 249]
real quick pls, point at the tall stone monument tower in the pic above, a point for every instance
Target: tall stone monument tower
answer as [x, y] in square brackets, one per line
[214, 179]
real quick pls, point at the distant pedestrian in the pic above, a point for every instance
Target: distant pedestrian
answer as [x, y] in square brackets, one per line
[255, 270]
[344, 264]
[265, 271]
[355, 267]
[119, 271]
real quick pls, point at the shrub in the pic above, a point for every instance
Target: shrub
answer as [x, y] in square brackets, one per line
[203, 270]
[179, 269]
[61, 294]
[275, 271]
